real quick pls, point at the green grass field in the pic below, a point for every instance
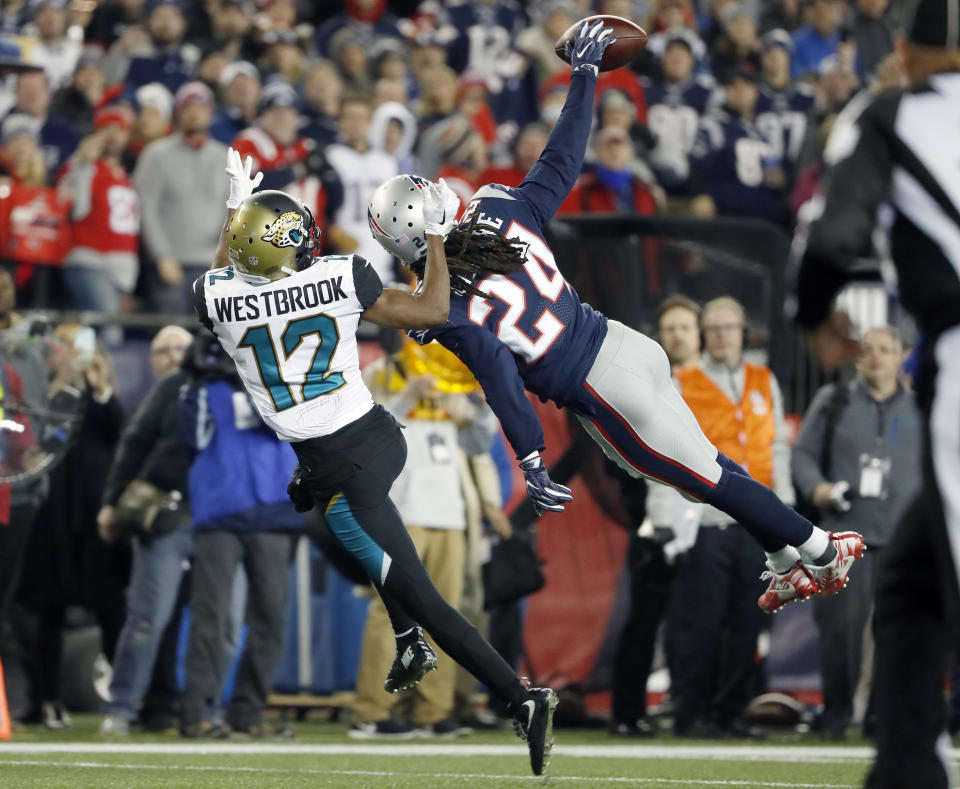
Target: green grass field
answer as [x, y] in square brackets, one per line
[323, 756]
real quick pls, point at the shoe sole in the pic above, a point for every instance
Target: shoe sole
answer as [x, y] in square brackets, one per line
[785, 603]
[417, 681]
[547, 736]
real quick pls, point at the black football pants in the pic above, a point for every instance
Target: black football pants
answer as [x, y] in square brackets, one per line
[350, 473]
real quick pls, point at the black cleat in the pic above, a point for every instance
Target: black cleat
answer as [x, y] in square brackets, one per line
[534, 723]
[411, 665]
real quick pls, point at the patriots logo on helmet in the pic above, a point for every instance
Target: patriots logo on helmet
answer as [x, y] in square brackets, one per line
[286, 230]
[420, 183]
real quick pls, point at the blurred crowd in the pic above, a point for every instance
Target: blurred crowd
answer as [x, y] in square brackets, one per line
[115, 116]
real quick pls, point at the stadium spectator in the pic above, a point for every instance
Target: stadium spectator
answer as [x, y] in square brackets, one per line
[714, 621]
[232, 22]
[817, 39]
[347, 50]
[322, 89]
[166, 58]
[872, 36]
[101, 268]
[370, 17]
[238, 521]
[526, 150]
[733, 170]
[780, 15]
[274, 141]
[64, 537]
[463, 157]
[360, 169]
[650, 563]
[438, 97]
[782, 104]
[179, 179]
[738, 42]
[154, 106]
[616, 182]
[676, 101]
[857, 459]
[151, 452]
[57, 138]
[57, 47]
[393, 130]
[537, 41]
[282, 58]
[20, 158]
[239, 91]
[111, 21]
[485, 31]
[76, 101]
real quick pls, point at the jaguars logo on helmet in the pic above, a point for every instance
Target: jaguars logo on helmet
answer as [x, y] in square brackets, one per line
[272, 235]
[287, 231]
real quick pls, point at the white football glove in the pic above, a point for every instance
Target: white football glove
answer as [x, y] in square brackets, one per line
[440, 207]
[242, 185]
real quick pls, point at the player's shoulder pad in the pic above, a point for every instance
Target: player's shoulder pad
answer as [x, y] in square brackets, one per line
[493, 190]
[366, 282]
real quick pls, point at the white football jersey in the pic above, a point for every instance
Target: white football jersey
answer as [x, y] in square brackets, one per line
[361, 174]
[294, 341]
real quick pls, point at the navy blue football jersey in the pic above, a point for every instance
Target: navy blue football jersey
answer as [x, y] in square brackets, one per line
[781, 116]
[674, 109]
[531, 331]
[728, 162]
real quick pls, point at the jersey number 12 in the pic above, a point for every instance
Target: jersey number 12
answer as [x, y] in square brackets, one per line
[317, 380]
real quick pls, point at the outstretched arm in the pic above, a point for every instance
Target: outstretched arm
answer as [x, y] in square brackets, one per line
[242, 185]
[550, 180]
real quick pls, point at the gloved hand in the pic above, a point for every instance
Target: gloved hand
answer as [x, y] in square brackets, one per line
[242, 184]
[546, 495]
[586, 51]
[841, 496]
[440, 207]
[298, 492]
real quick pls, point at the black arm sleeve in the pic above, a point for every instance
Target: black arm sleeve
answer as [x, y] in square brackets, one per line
[366, 282]
[200, 302]
[860, 156]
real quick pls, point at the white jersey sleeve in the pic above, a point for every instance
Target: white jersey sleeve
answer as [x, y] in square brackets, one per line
[294, 341]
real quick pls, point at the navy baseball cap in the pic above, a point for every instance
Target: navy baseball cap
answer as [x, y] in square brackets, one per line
[277, 94]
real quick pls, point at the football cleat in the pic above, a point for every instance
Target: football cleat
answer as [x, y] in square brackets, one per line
[411, 665]
[533, 722]
[832, 577]
[795, 585]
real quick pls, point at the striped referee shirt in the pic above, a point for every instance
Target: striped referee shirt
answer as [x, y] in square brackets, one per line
[899, 148]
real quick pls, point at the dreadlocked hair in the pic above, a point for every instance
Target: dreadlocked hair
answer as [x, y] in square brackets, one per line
[471, 254]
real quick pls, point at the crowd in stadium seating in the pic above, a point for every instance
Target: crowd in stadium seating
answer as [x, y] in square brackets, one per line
[109, 148]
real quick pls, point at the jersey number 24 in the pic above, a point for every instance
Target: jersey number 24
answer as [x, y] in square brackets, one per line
[542, 269]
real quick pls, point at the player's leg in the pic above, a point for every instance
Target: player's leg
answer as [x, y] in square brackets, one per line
[642, 423]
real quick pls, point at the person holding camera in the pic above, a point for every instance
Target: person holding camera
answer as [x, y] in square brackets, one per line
[143, 501]
[242, 517]
[857, 459]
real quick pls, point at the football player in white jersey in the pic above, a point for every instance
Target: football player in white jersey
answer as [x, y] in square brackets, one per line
[288, 319]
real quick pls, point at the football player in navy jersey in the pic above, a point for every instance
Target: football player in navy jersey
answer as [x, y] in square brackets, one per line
[675, 103]
[782, 105]
[517, 324]
[731, 162]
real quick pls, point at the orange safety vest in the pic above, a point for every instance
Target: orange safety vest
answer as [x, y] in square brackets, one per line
[743, 431]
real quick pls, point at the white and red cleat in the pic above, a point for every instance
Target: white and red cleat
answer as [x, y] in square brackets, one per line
[795, 585]
[832, 577]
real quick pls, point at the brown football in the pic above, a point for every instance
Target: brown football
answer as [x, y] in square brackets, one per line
[630, 41]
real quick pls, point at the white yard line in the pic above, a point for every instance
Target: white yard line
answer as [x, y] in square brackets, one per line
[772, 753]
[398, 774]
